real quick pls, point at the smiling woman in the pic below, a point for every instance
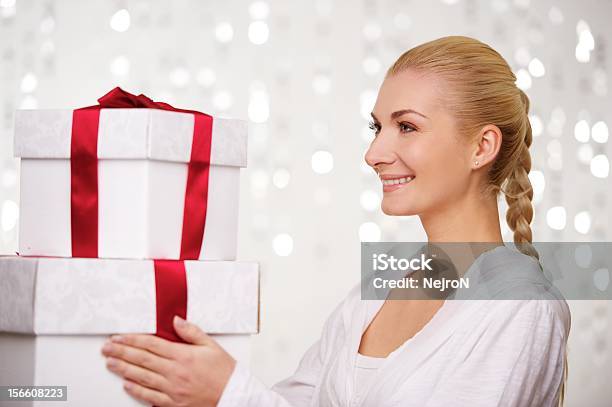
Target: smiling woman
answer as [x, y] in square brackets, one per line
[451, 132]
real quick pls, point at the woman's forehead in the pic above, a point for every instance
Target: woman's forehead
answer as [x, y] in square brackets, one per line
[408, 90]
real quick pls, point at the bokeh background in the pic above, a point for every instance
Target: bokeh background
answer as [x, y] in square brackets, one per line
[306, 74]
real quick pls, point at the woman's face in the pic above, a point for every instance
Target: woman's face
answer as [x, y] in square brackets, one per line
[417, 137]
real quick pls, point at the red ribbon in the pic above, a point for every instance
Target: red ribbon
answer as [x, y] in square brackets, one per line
[170, 278]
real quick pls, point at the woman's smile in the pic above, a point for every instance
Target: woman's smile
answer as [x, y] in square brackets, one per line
[394, 182]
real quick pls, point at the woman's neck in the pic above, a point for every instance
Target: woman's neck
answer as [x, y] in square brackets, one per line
[468, 220]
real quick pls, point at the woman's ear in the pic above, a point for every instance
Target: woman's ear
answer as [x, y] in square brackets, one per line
[488, 144]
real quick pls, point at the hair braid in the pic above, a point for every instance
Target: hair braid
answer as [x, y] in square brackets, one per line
[519, 192]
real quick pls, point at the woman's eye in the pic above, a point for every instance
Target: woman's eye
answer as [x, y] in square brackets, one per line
[374, 127]
[405, 127]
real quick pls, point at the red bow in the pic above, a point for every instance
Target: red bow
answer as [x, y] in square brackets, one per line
[118, 98]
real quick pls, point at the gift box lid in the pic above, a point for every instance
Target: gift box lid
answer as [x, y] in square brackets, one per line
[130, 133]
[47, 295]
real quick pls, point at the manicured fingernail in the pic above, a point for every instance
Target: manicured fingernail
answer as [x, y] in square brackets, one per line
[179, 321]
[117, 338]
[128, 385]
[107, 346]
[111, 362]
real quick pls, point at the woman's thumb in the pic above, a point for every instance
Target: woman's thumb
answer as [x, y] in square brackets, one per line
[189, 332]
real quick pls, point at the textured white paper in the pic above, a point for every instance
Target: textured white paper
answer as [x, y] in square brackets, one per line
[103, 296]
[130, 133]
[77, 362]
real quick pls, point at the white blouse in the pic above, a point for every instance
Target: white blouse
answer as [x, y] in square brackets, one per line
[471, 353]
[365, 368]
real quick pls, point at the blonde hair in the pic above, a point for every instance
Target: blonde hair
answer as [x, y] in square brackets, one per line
[482, 90]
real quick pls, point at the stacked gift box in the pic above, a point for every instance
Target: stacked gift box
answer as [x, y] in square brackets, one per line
[128, 216]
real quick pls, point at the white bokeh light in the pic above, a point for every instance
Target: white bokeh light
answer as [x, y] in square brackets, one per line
[10, 214]
[281, 178]
[536, 68]
[7, 8]
[120, 21]
[259, 106]
[601, 279]
[321, 83]
[600, 166]
[522, 56]
[585, 37]
[582, 222]
[536, 125]
[556, 217]
[586, 42]
[258, 32]
[582, 54]
[322, 162]
[370, 200]
[372, 31]
[180, 77]
[282, 244]
[369, 232]
[371, 65]
[599, 132]
[206, 77]
[523, 79]
[29, 102]
[29, 82]
[224, 32]
[581, 131]
[222, 100]
[120, 66]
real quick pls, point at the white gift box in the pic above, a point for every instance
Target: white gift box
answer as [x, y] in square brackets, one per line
[76, 361]
[57, 312]
[142, 175]
[42, 296]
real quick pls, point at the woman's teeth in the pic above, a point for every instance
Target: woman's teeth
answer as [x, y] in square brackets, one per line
[397, 181]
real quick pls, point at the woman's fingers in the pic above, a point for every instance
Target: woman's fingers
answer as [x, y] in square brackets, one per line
[136, 356]
[155, 344]
[137, 374]
[153, 397]
[189, 332]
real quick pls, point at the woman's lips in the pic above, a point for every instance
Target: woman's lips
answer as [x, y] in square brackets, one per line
[392, 183]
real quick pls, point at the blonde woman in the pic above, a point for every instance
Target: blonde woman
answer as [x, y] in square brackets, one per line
[451, 133]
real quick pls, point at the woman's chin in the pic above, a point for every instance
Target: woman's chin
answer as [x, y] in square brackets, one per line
[397, 208]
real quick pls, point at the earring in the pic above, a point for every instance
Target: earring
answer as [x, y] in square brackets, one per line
[476, 163]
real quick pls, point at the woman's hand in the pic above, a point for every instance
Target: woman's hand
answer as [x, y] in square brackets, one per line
[166, 373]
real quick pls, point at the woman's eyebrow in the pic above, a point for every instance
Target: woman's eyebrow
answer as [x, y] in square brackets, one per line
[402, 112]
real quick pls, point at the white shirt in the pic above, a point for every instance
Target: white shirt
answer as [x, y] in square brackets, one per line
[365, 370]
[471, 353]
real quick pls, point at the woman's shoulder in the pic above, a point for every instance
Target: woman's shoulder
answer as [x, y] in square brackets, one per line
[552, 315]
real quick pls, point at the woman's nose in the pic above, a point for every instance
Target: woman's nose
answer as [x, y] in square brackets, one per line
[380, 152]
